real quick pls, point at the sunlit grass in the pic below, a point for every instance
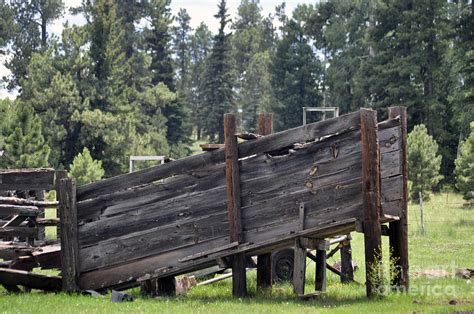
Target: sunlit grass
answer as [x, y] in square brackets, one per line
[446, 244]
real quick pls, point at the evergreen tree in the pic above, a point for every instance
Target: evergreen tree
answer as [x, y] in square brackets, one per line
[295, 73]
[25, 145]
[201, 44]
[423, 162]
[465, 166]
[85, 169]
[218, 82]
[31, 19]
[6, 22]
[182, 49]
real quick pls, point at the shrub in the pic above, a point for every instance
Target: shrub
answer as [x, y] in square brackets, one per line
[423, 162]
[85, 169]
[465, 166]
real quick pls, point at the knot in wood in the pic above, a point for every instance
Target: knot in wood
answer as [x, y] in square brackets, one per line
[313, 171]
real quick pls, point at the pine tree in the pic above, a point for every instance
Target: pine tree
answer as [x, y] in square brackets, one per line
[295, 72]
[465, 166]
[182, 49]
[424, 162]
[24, 144]
[201, 45]
[85, 169]
[218, 82]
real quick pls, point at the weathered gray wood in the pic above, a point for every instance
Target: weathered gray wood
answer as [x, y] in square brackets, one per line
[320, 280]
[26, 179]
[239, 276]
[24, 232]
[390, 164]
[21, 201]
[371, 196]
[60, 174]
[398, 239]
[7, 210]
[47, 222]
[264, 261]
[347, 270]
[232, 178]
[69, 241]
[299, 268]
[30, 280]
[208, 252]
[392, 189]
[272, 142]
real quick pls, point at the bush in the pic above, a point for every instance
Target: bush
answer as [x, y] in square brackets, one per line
[85, 169]
[465, 166]
[423, 162]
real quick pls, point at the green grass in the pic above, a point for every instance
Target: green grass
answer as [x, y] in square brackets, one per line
[446, 244]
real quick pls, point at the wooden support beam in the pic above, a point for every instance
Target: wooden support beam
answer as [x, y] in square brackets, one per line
[26, 179]
[264, 261]
[23, 232]
[23, 201]
[13, 277]
[299, 268]
[7, 210]
[347, 271]
[239, 280]
[371, 199]
[398, 230]
[60, 174]
[320, 280]
[69, 235]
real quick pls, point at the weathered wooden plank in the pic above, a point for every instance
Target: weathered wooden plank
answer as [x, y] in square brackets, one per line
[7, 210]
[30, 280]
[239, 279]
[371, 198]
[137, 199]
[23, 201]
[390, 164]
[24, 232]
[47, 222]
[167, 264]
[392, 189]
[392, 207]
[153, 241]
[264, 261]
[398, 238]
[299, 268]
[69, 240]
[26, 179]
[320, 280]
[390, 139]
[272, 142]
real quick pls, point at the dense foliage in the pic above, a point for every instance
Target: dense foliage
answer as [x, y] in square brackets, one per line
[85, 169]
[136, 80]
[465, 166]
[423, 162]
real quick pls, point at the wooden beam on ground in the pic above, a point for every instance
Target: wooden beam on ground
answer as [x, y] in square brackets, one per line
[264, 261]
[398, 230]
[371, 199]
[69, 237]
[30, 280]
[239, 280]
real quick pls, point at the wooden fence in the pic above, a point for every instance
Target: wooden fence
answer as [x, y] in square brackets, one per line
[292, 188]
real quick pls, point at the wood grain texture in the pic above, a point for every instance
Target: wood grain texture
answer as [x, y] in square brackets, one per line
[27, 179]
[309, 132]
[371, 197]
[398, 235]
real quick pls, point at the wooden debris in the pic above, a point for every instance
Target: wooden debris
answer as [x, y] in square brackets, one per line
[31, 280]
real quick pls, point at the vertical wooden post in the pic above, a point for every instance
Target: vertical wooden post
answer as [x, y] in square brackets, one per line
[347, 271]
[69, 240]
[264, 261]
[371, 199]
[398, 230]
[239, 280]
[299, 268]
[59, 174]
[320, 282]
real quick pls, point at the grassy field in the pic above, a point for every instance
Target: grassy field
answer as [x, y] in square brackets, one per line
[446, 245]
